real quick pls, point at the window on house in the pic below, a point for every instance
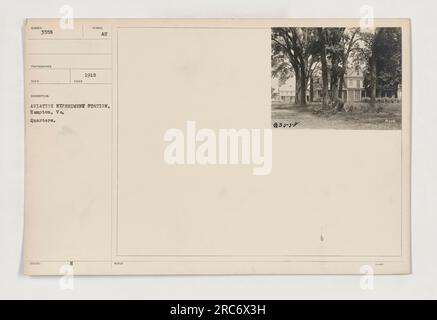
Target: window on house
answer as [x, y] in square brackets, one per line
[357, 95]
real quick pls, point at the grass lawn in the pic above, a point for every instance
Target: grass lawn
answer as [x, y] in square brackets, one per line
[311, 117]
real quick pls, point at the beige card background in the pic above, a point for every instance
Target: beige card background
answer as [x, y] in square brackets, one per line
[100, 197]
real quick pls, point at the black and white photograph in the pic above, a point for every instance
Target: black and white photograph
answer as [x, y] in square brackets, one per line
[336, 78]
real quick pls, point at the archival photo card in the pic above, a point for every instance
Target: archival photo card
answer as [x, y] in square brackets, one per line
[157, 146]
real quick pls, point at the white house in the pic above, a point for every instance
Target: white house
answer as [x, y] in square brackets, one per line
[283, 92]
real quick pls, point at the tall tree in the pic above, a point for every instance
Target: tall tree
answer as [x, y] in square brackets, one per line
[322, 48]
[295, 47]
[388, 48]
[349, 43]
[382, 53]
[335, 52]
[368, 54]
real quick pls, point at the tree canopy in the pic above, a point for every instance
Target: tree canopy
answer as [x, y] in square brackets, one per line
[329, 52]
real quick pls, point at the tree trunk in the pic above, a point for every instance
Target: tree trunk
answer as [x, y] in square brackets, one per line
[334, 79]
[373, 71]
[341, 85]
[303, 91]
[311, 89]
[373, 82]
[334, 89]
[325, 98]
[297, 85]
